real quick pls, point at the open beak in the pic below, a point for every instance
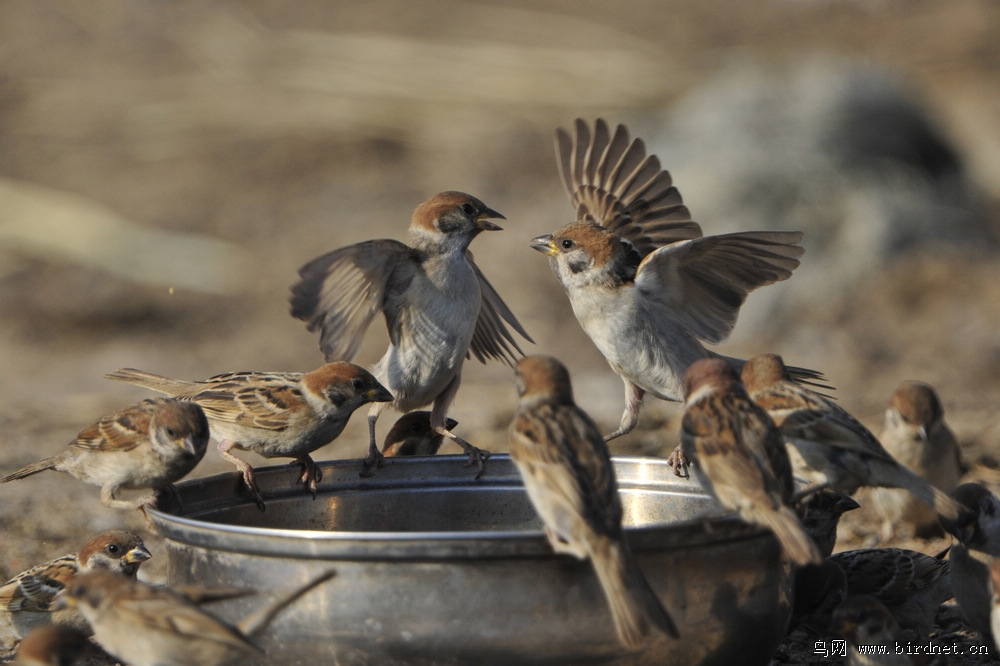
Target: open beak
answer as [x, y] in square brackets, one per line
[137, 555]
[544, 244]
[483, 220]
[379, 394]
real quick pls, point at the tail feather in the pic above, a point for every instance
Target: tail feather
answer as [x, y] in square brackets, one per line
[946, 506]
[146, 380]
[33, 468]
[635, 607]
[796, 544]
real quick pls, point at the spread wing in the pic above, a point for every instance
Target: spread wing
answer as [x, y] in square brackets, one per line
[121, 431]
[706, 280]
[491, 339]
[342, 291]
[613, 183]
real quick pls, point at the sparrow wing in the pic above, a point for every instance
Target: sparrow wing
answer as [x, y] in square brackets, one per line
[34, 589]
[120, 431]
[570, 457]
[260, 400]
[704, 281]
[341, 292]
[833, 427]
[491, 339]
[613, 183]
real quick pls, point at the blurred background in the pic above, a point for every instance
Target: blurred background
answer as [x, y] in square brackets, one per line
[165, 168]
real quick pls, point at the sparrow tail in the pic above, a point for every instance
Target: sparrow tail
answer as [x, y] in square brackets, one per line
[635, 607]
[785, 525]
[146, 380]
[258, 621]
[33, 468]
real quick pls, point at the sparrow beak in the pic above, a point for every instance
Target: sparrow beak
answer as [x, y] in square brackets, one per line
[379, 394]
[188, 445]
[449, 424]
[137, 555]
[845, 504]
[485, 225]
[544, 245]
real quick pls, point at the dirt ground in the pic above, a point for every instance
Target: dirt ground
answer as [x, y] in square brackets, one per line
[166, 167]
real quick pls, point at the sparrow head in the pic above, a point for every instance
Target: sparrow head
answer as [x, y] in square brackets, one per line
[708, 375]
[121, 551]
[412, 435]
[582, 253]
[917, 405]
[975, 526]
[543, 379]
[450, 220]
[54, 645]
[179, 428]
[345, 385]
[764, 370]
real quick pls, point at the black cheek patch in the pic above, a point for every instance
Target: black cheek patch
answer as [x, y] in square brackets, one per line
[447, 224]
[578, 265]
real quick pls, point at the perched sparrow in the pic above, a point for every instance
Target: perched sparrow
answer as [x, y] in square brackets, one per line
[864, 621]
[568, 475]
[738, 455]
[910, 584]
[820, 512]
[154, 626]
[412, 435]
[831, 447]
[979, 544]
[149, 445]
[26, 599]
[273, 414]
[916, 435]
[438, 308]
[643, 282]
[59, 645]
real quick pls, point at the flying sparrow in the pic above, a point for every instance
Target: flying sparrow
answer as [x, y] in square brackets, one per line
[412, 435]
[569, 477]
[273, 414]
[829, 446]
[154, 626]
[738, 456]
[911, 585]
[438, 307]
[864, 621]
[643, 282]
[970, 558]
[916, 435]
[26, 599]
[149, 445]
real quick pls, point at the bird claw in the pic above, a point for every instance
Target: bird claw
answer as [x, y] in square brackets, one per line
[311, 475]
[680, 463]
[251, 485]
[373, 461]
[477, 457]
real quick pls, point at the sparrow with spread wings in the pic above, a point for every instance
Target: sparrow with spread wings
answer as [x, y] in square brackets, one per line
[438, 307]
[643, 282]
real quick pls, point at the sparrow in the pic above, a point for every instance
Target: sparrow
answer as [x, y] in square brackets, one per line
[970, 558]
[149, 445]
[820, 512]
[273, 414]
[864, 621]
[643, 282]
[412, 435]
[59, 645]
[827, 445]
[26, 599]
[570, 480]
[911, 585]
[145, 625]
[738, 456]
[916, 435]
[438, 307]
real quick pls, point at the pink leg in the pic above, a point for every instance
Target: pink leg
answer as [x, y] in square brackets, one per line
[630, 417]
[311, 473]
[374, 459]
[245, 468]
[439, 418]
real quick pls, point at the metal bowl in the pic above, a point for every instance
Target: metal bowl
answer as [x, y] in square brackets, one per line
[435, 567]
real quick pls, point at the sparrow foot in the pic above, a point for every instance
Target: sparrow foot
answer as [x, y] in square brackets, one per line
[251, 484]
[311, 474]
[477, 457]
[373, 461]
[680, 463]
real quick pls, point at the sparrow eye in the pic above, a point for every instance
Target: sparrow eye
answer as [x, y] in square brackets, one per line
[171, 433]
[113, 548]
[566, 244]
[468, 208]
[357, 384]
